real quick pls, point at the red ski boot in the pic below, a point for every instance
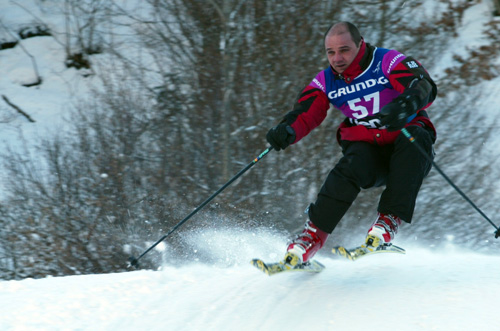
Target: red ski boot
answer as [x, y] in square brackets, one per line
[383, 230]
[305, 245]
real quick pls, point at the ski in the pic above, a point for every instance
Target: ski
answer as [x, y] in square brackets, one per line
[274, 268]
[360, 251]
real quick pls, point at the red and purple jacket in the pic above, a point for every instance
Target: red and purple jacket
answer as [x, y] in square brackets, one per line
[374, 79]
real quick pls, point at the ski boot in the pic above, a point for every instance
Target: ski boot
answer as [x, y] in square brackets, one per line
[304, 246]
[382, 231]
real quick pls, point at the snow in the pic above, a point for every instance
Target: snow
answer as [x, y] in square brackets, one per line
[46, 103]
[450, 289]
[423, 290]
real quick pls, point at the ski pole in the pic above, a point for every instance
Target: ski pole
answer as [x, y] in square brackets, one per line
[135, 261]
[412, 140]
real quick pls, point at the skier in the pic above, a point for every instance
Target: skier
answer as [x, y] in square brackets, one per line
[380, 91]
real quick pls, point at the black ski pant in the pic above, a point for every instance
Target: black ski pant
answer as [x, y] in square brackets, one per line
[400, 166]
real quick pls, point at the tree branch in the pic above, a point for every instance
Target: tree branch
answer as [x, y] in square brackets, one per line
[19, 110]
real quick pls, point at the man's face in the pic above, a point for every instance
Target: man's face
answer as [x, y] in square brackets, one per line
[341, 51]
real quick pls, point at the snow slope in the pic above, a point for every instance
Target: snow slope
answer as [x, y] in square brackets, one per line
[423, 290]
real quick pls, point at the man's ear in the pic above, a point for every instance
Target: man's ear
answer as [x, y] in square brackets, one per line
[361, 41]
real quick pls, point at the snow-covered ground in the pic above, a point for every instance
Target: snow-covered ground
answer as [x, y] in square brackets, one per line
[423, 290]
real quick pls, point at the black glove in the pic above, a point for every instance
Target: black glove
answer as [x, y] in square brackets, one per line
[396, 113]
[281, 136]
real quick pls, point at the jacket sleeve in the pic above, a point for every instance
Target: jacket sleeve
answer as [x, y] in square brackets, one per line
[410, 77]
[308, 112]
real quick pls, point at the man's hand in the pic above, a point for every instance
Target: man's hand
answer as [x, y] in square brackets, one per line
[281, 136]
[396, 113]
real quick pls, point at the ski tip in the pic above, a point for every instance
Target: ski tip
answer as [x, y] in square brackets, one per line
[262, 266]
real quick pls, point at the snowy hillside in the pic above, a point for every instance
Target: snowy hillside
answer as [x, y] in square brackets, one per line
[427, 289]
[423, 290]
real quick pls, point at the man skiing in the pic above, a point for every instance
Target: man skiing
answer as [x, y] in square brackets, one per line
[380, 91]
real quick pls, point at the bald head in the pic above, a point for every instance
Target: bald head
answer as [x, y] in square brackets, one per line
[342, 44]
[344, 27]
